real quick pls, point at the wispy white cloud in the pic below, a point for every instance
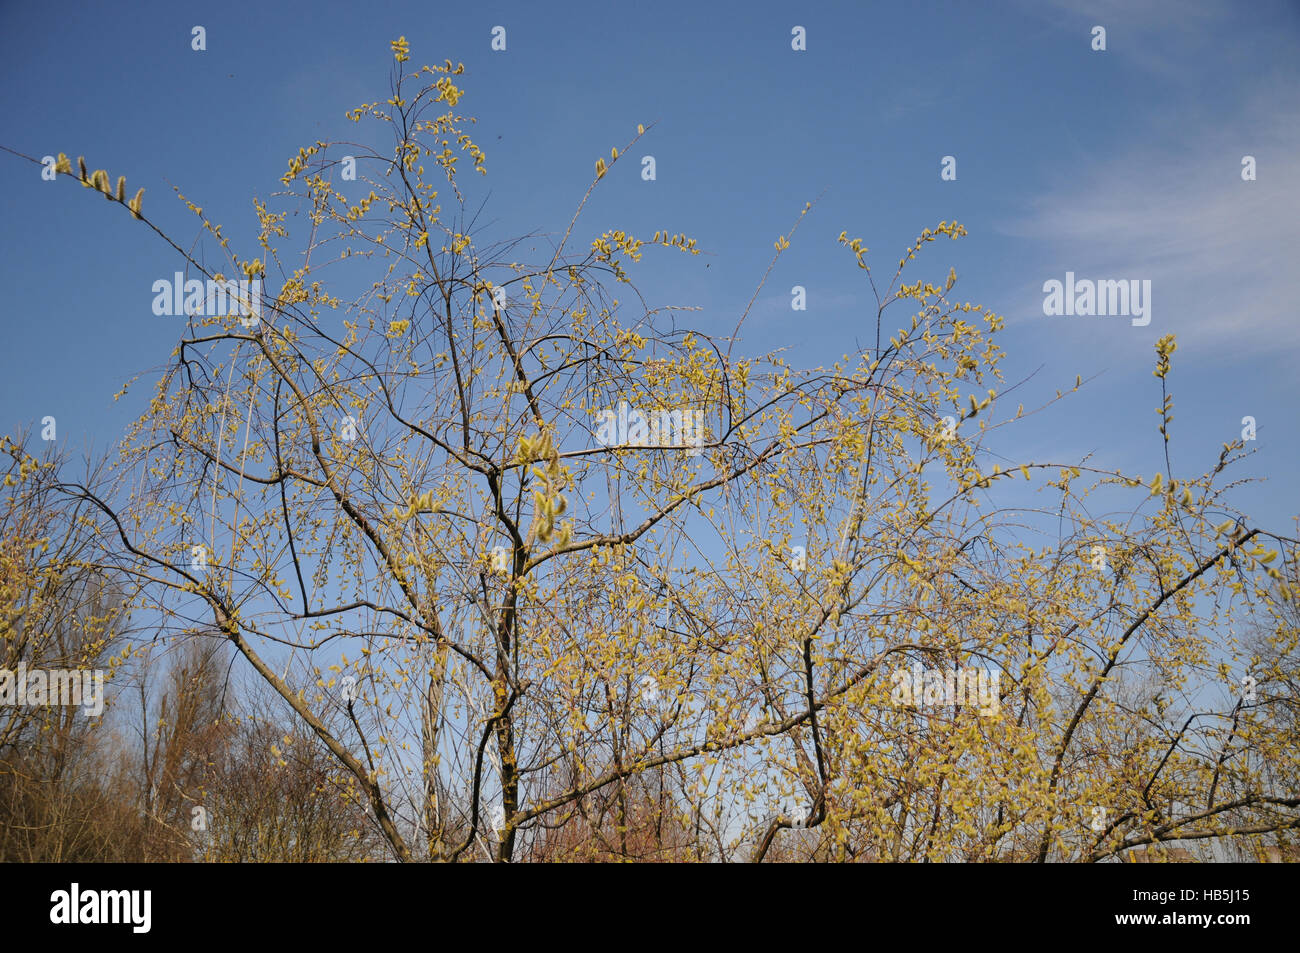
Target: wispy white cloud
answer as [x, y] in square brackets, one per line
[1154, 35]
[1220, 251]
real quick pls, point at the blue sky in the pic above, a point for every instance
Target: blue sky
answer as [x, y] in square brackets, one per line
[1117, 164]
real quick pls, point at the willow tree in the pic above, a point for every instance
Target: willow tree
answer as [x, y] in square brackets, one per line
[61, 624]
[553, 575]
